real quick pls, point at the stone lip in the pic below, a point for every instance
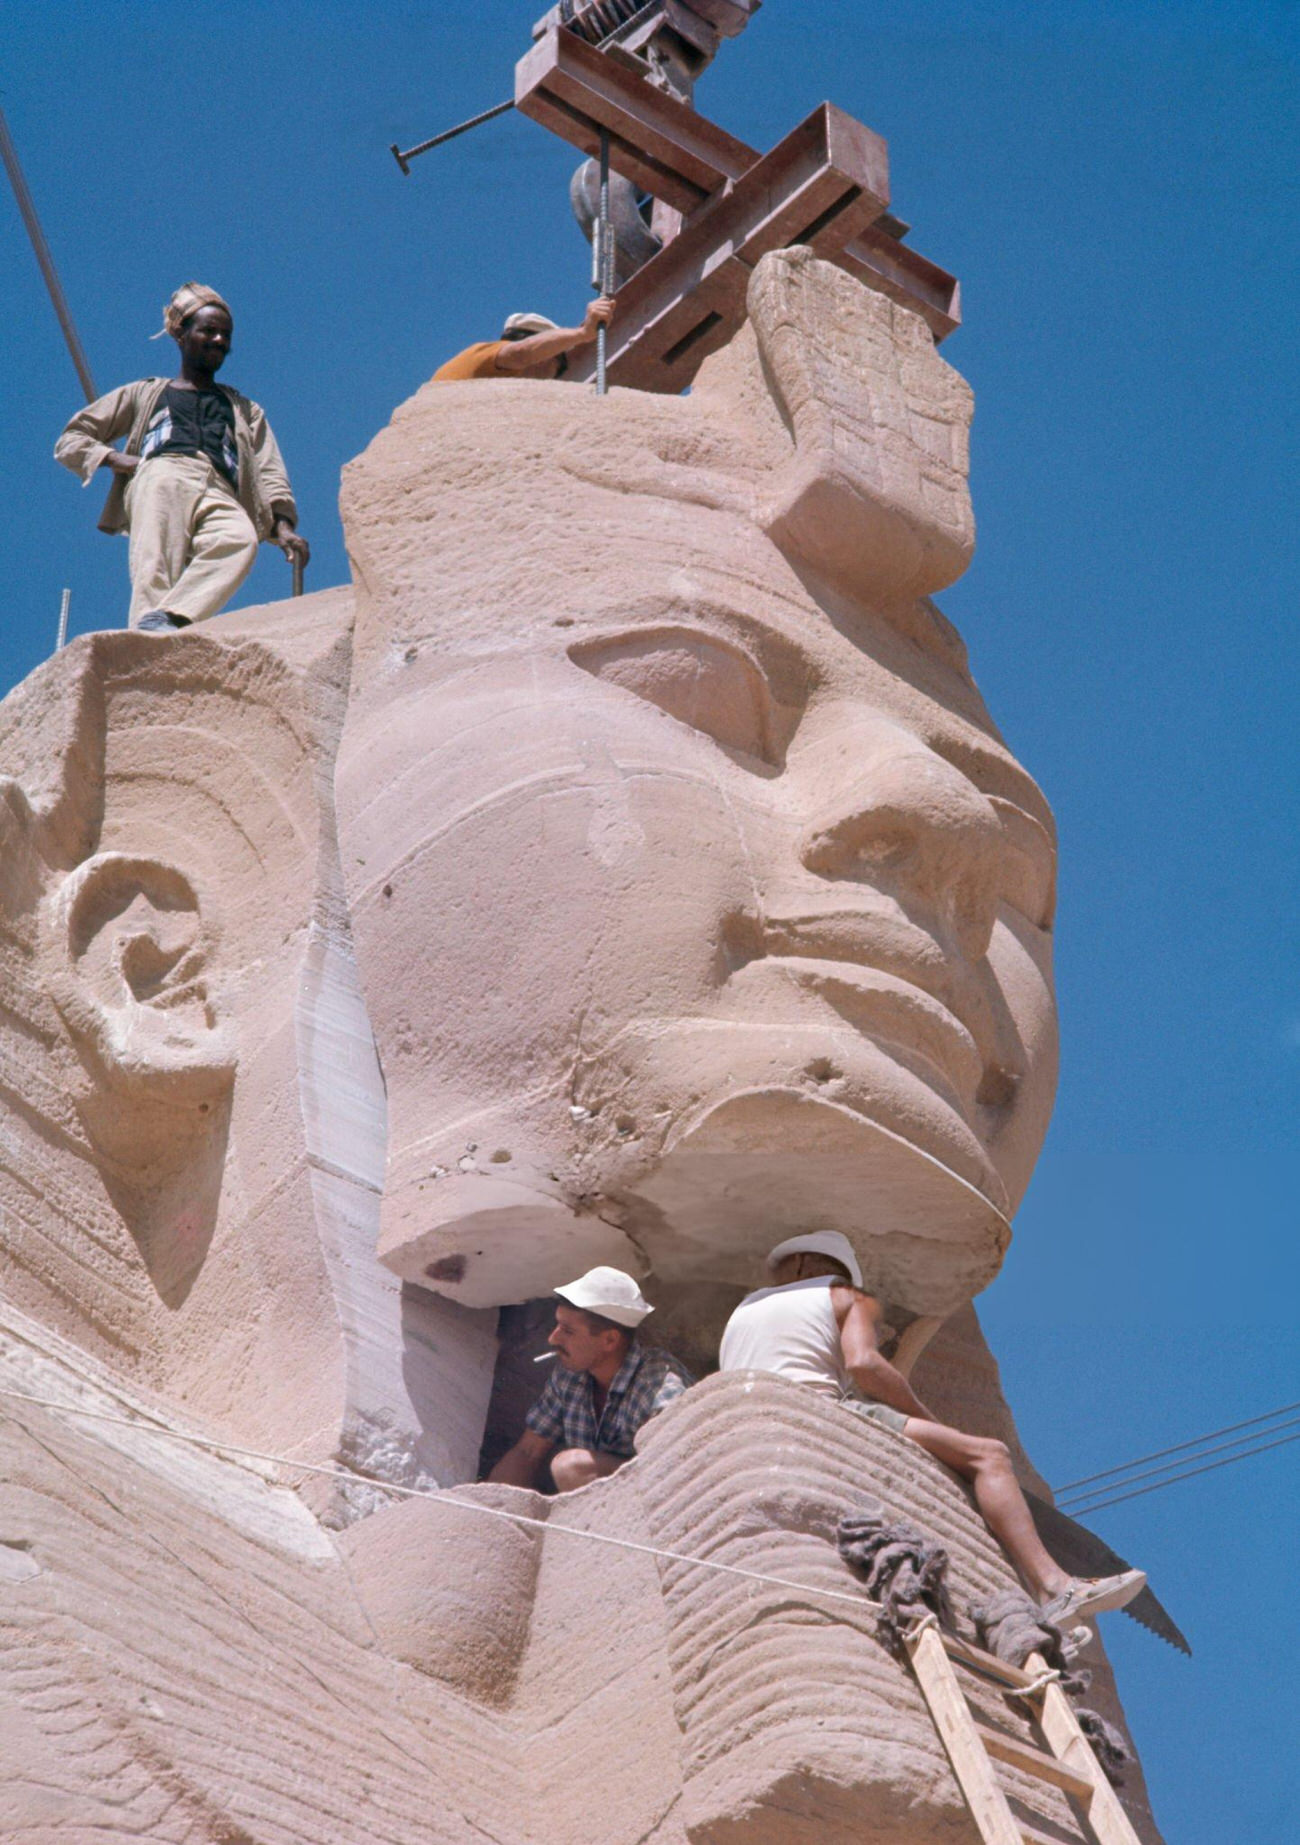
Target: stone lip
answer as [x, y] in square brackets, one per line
[877, 492]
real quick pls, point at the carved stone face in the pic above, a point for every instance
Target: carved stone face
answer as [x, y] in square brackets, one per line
[696, 898]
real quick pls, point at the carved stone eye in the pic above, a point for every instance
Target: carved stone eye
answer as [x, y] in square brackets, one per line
[703, 682]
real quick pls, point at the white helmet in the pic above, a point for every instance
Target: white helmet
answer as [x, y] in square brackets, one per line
[819, 1243]
[521, 325]
[608, 1292]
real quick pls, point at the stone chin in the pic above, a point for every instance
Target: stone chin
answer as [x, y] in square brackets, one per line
[777, 1130]
[769, 1162]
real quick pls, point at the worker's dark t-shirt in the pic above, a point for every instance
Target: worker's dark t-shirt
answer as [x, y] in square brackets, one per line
[195, 423]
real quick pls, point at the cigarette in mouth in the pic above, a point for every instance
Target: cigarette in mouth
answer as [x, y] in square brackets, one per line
[544, 1358]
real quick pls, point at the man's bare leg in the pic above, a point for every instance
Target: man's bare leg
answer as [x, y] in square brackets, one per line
[575, 1467]
[987, 1465]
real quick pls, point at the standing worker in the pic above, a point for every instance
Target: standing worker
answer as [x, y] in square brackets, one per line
[530, 346]
[200, 482]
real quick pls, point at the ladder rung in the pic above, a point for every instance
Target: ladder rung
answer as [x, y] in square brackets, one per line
[1032, 1836]
[1037, 1762]
[967, 1654]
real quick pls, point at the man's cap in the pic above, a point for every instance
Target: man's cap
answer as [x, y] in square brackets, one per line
[188, 299]
[608, 1292]
[524, 324]
[819, 1243]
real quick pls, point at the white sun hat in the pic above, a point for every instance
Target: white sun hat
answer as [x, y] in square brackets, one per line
[608, 1292]
[819, 1243]
[530, 323]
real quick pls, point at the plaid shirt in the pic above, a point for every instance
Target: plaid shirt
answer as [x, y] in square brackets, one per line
[645, 1383]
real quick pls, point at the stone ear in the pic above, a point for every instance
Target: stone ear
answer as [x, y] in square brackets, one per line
[131, 963]
[131, 957]
[874, 496]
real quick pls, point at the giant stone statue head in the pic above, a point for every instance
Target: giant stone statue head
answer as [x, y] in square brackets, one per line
[625, 870]
[697, 899]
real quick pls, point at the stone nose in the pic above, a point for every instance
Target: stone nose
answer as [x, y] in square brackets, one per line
[898, 818]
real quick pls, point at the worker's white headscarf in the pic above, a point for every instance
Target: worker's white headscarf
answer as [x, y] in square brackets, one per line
[188, 299]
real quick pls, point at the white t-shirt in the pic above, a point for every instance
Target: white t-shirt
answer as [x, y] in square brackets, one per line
[791, 1331]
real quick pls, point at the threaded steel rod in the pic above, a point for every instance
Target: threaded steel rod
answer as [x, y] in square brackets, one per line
[606, 266]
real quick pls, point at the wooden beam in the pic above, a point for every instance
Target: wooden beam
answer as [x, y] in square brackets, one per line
[966, 1653]
[894, 269]
[1033, 1761]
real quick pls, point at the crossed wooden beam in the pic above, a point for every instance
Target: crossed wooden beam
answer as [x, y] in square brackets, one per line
[826, 185]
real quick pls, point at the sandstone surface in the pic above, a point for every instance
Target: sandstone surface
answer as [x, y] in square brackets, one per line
[624, 869]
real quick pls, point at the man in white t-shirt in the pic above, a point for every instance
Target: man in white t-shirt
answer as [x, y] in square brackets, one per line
[816, 1326]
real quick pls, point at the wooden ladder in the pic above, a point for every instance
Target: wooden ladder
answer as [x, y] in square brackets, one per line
[1068, 1762]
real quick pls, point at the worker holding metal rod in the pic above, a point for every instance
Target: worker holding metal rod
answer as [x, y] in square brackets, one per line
[529, 346]
[200, 482]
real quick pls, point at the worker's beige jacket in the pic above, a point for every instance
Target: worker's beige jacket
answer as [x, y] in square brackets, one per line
[264, 490]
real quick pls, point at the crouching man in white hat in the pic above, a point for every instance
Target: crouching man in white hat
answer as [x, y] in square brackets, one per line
[816, 1326]
[604, 1387]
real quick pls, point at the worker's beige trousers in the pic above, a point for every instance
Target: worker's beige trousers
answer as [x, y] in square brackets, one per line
[192, 543]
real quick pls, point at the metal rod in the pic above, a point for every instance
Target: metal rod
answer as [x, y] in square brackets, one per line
[402, 157]
[606, 267]
[297, 576]
[9, 153]
[63, 620]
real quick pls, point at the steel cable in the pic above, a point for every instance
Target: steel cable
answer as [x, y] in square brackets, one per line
[1176, 1468]
[1177, 1448]
[1190, 1473]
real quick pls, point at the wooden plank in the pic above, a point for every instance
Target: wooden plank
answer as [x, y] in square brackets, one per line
[1032, 1761]
[1060, 1726]
[956, 1727]
[823, 185]
[826, 184]
[728, 16]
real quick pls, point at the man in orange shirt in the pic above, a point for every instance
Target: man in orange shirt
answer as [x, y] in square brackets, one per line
[530, 346]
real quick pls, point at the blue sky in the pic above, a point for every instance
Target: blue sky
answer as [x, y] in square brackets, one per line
[1116, 185]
